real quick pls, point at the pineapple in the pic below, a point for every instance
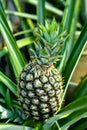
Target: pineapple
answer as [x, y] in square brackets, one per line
[40, 85]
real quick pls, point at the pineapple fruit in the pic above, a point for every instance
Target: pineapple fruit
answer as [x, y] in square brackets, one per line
[40, 85]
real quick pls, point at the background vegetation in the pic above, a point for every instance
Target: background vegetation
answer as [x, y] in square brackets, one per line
[18, 18]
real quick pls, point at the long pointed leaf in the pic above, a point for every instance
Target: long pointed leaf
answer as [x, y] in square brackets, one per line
[11, 85]
[68, 13]
[81, 90]
[22, 15]
[80, 125]
[14, 52]
[41, 11]
[77, 105]
[73, 118]
[20, 43]
[48, 6]
[8, 99]
[70, 23]
[75, 56]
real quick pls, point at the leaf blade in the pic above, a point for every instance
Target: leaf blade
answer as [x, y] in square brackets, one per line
[75, 106]
[11, 85]
[14, 52]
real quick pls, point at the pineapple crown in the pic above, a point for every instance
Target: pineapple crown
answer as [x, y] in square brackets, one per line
[49, 39]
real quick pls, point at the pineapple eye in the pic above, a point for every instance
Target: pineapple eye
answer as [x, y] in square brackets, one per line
[37, 73]
[61, 84]
[22, 84]
[43, 79]
[35, 113]
[21, 99]
[33, 107]
[27, 113]
[31, 94]
[37, 83]
[35, 101]
[29, 77]
[58, 78]
[52, 99]
[45, 110]
[53, 104]
[29, 86]
[60, 95]
[25, 106]
[39, 92]
[23, 75]
[55, 109]
[46, 116]
[47, 87]
[44, 98]
[55, 71]
[37, 117]
[51, 93]
[43, 105]
[23, 93]
[56, 86]
[51, 79]
[27, 101]
[58, 92]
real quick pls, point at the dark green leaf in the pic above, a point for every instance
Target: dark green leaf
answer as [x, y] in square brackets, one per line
[80, 125]
[68, 13]
[8, 99]
[14, 52]
[81, 89]
[74, 56]
[20, 43]
[41, 11]
[73, 118]
[11, 85]
[70, 18]
[2, 89]
[75, 106]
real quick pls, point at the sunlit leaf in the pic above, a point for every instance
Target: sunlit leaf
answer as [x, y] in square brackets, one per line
[75, 106]
[73, 118]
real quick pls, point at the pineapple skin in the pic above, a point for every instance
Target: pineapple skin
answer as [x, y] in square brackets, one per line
[40, 91]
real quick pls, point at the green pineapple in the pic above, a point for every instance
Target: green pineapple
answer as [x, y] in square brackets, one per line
[40, 86]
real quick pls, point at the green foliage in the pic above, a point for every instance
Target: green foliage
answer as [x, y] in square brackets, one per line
[69, 114]
[75, 55]
[11, 85]
[74, 114]
[16, 57]
[41, 11]
[49, 40]
[14, 127]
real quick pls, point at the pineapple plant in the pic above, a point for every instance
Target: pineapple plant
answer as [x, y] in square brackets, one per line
[47, 46]
[40, 85]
